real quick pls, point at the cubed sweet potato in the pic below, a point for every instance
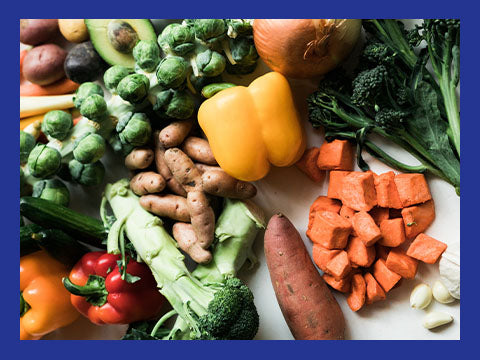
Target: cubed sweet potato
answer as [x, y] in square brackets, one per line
[393, 232]
[418, 218]
[336, 155]
[329, 230]
[342, 285]
[412, 189]
[339, 265]
[381, 251]
[387, 194]
[385, 277]
[323, 203]
[321, 256]
[374, 290]
[402, 264]
[357, 295]
[426, 249]
[308, 165]
[379, 214]
[358, 191]
[365, 228]
[360, 254]
[335, 179]
[348, 213]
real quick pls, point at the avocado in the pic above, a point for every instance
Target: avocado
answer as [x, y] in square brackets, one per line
[114, 39]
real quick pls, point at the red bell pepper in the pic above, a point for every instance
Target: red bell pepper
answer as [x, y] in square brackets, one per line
[99, 292]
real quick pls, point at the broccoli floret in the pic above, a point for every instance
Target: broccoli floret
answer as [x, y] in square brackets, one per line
[391, 119]
[376, 53]
[368, 85]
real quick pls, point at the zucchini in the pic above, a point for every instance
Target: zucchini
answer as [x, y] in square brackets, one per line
[28, 244]
[53, 216]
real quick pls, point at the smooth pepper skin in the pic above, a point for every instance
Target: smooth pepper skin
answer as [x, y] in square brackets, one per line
[126, 302]
[251, 128]
[42, 289]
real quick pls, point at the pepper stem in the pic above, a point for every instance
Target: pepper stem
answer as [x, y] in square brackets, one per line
[94, 290]
[211, 89]
[24, 306]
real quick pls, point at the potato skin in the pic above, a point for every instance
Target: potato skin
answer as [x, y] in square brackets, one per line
[74, 30]
[168, 205]
[183, 169]
[187, 241]
[43, 65]
[147, 182]
[173, 134]
[139, 158]
[37, 31]
[202, 217]
[199, 150]
[308, 306]
[219, 183]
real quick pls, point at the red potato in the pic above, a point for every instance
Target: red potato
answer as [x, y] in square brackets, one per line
[43, 65]
[37, 31]
[308, 306]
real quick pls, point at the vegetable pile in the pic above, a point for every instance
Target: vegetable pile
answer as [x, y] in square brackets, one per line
[392, 94]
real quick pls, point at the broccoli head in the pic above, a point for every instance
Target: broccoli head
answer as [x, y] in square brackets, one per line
[391, 119]
[368, 85]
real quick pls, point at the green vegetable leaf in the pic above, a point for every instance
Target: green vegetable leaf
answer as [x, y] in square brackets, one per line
[131, 279]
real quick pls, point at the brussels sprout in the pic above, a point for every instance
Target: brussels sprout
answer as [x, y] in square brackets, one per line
[199, 82]
[89, 148]
[118, 147]
[94, 107]
[134, 129]
[52, 190]
[87, 174]
[239, 27]
[210, 63]
[172, 72]
[177, 38]
[43, 161]
[244, 54]
[27, 143]
[84, 91]
[147, 55]
[113, 75]
[57, 124]
[25, 188]
[177, 104]
[210, 30]
[133, 88]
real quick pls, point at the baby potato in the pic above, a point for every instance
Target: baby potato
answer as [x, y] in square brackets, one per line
[37, 31]
[74, 30]
[43, 64]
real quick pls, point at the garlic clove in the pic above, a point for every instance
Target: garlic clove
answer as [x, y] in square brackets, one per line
[435, 319]
[421, 296]
[441, 294]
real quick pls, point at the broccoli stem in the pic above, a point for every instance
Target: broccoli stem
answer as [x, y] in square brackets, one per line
[448, 90]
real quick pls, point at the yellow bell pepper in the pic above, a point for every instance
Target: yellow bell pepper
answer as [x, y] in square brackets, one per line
[251, 128]
[44, 302]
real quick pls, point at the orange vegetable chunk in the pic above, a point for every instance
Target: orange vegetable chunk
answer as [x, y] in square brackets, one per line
[357, 295]
[374, 290]
[329, 230]
[342, 285]
[323, 203]
[393, 232]
[385, 277]
[336, 155]
[381, 251]
[365, 228]
[418, 218]
[360, 254]
[426, 249]
[379, 214]
[358, 191]
[412, 189]
[335, 180]
[308, 165]
[402, 264]
[387, 194]
[339, 266]
[321, 256]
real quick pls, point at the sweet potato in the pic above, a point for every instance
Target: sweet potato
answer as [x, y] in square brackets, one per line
[199, 150]
[339, 266]
[202, 217]
[357, 295]
[321, 256]
[412, 189]
[418, 218]
[139, 158]
[402, 264]
[307, 304]
[168, 205]
[385, 277]
[426, 249]
[147, 182]
[219, 183]
[336, 155]
[173, 134]
[365, 228]
[335, 180]
[374, 290]
[358, 191]
[188, 242]
[360, 254]
[379, 214]
[323, 203]
[387, 193]
[342, 285]
[308, 165]
[381, 251]
[329, 230]
[393, 232]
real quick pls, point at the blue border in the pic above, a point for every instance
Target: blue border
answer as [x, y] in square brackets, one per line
[250, 9]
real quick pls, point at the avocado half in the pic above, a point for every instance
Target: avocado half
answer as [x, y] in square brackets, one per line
[99, 35]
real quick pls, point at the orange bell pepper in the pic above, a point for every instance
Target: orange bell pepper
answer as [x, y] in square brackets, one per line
[44, 302]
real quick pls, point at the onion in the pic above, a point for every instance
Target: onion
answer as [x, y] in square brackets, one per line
[304, 48]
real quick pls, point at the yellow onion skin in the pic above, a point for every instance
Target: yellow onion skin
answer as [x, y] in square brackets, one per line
[305, 48]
